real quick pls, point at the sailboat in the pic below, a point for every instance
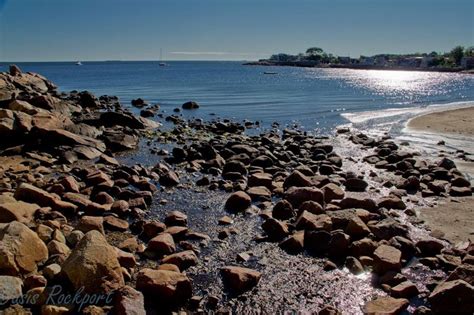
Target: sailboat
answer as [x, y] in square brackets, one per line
[78, 63]
[162, 64]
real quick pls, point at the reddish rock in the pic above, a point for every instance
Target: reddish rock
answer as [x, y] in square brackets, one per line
[183, 259]
[309, 221]
[240, 279]
[405, 289]
[128, 301]
[115, 224]
[238, 201]
[164, 286]
[20, 249]
[297, 179]
[297, 195]
[275, 229]
[176, 218]
[387, 258]
[294, 244]
[162, 244]
[452, 296]
[386, 306]
[93, 265]
[89, 223]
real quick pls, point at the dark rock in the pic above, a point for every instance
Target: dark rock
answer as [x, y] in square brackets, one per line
[429, 247]
[297, 179]
[297, 195]
[353, 265]
[238, 201]
[317, 242]
[276, 230]
[190, 105]
[294, 244]
[355, 184]
[110, 119]
[283, 210]
[405, 289]
[452, 295]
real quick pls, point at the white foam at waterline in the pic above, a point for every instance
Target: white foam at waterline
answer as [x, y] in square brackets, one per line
[360, 117]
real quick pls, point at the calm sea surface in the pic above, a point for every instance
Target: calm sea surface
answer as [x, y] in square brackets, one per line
[315, 99]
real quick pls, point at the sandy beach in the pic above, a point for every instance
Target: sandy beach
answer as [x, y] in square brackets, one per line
[453, 218]
[458, 121]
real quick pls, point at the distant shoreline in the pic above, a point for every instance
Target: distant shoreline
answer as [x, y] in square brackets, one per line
[356, 67]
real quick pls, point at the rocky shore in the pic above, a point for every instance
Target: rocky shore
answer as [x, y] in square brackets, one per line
[222, 221]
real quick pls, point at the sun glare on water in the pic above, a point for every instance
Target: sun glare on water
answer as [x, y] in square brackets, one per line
[408, 85]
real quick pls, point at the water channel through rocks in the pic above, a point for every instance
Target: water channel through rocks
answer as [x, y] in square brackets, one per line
[290, 283]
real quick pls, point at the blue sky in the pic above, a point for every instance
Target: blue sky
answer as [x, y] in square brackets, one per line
[55, 30]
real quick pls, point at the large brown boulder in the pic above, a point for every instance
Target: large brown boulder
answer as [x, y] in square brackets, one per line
[387, 258]
[162, 244]
[7, 89]
[391, 202]
[240, 279]
[30, 193]
[165, 286]
[309, 221]
[297, 179]
[275, 229]
[386, 306]
[13, 210]
[56, 137]
[20, 249]
[183, 260]
[238, 201]
[453, 296]
[93, 264]
[358, 202]
[332, 192]
[128, 301]
[297, 195]
[110, 119]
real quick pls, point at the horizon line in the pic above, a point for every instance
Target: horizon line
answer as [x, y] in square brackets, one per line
[127, 60]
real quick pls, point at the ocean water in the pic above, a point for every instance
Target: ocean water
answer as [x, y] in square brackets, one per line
[314, 99]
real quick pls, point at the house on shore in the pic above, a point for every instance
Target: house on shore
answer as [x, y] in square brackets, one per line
[410, 62]
[467, 62]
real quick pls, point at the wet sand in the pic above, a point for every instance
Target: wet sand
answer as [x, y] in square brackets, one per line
[457, 121]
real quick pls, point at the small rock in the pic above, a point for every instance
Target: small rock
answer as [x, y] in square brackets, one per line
[238, 201]
[164, 286]
[240, 279]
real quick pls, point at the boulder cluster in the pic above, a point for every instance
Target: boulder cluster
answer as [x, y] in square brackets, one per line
[72, 215]
[310, 204]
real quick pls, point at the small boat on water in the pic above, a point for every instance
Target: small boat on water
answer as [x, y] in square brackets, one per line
[162, 64]
[78, 63]
[270, 72]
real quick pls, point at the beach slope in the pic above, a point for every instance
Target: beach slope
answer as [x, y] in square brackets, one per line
[456, 121]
